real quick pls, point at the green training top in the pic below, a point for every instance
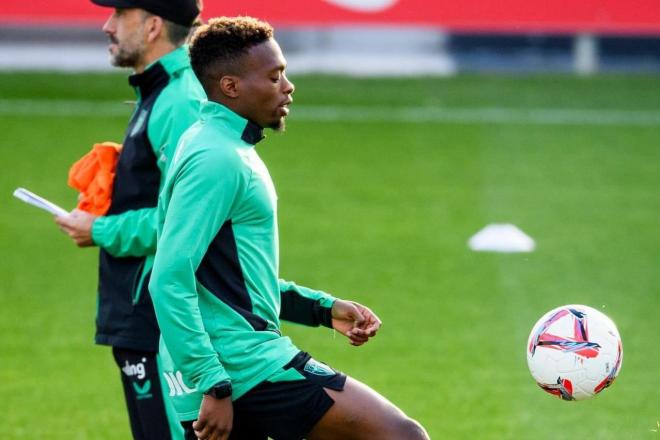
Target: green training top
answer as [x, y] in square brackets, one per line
[215, 285]
[169, 98]
[133, 233]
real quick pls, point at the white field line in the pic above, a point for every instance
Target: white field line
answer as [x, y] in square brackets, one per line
[409, 114]
[63, 108]
[479, 115]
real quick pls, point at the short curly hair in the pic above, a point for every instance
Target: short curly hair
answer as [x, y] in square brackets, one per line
[216, 47]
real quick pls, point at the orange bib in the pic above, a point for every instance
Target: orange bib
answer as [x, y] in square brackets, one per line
[93, 175]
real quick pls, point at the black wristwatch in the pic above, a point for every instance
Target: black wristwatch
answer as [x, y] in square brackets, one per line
[220, 390]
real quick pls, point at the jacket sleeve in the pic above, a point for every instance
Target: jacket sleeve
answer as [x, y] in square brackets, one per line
[200, 200]
[305, 306]
[129, 234]
[133, 233]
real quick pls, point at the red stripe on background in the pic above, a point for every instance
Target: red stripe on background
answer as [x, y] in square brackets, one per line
[641, 16]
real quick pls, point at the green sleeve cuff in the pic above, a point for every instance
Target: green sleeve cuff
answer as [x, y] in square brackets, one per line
[100, 231]
[327, 301]
[208, 380]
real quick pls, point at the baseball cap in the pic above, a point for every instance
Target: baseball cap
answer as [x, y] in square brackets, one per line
[181, 12]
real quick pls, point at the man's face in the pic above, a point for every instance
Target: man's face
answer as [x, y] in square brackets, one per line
[125, 28]
[265, 91]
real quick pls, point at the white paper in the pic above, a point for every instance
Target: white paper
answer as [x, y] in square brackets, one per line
[501, 238]
[34, 200]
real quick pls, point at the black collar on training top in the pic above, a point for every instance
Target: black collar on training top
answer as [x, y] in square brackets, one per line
[152, 79]
[252, 133]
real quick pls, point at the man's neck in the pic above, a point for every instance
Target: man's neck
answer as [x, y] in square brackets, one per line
[152, 55]
[231, 104]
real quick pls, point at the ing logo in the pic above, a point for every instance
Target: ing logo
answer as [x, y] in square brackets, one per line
[138, 369]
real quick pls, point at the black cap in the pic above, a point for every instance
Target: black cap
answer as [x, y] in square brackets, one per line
[183, 12]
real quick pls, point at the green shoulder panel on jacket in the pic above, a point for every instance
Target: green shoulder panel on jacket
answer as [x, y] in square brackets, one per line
[176, 109]
[133, 233]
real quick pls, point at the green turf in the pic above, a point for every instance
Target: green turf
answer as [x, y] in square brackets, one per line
[379, 212]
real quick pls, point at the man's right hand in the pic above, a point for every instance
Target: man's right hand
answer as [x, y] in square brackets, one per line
[355, 321]
[215, 419]
[78, 226]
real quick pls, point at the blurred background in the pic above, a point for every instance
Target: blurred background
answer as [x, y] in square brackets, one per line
[415, 124]
[379, 37]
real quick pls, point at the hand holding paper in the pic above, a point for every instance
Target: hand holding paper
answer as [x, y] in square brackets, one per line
[41, 203]
[78, 226]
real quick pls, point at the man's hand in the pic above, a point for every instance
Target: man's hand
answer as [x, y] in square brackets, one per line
[355, 321]
[215, 419]
[78, 226]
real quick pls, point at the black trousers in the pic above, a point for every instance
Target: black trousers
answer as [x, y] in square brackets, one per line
[141, 379]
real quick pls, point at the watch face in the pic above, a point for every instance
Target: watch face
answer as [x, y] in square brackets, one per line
[220, 391]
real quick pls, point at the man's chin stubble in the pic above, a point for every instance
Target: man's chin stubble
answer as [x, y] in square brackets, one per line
[279, 126]
[124, 58]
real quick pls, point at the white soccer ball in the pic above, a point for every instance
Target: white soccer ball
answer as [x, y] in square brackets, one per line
[574, 352]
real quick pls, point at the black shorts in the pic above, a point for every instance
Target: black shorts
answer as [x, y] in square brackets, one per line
[285, 410]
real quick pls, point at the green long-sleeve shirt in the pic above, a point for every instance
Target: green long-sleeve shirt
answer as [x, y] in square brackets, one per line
[215, 283]
[169, 96]
[133, 233]
[297, 305]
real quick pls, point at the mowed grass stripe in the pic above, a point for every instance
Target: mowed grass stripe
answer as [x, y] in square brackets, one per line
[406, 114]
[378, 211]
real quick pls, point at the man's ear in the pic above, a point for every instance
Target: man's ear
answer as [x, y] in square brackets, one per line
[229, 86]
[154, 27]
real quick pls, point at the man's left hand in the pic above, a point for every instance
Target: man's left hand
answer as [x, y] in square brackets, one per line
[78, 226]
[355, 321]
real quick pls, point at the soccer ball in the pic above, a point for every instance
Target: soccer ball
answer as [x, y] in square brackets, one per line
[574, 352]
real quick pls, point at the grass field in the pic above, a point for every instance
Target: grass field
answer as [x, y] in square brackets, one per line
[380, 184]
